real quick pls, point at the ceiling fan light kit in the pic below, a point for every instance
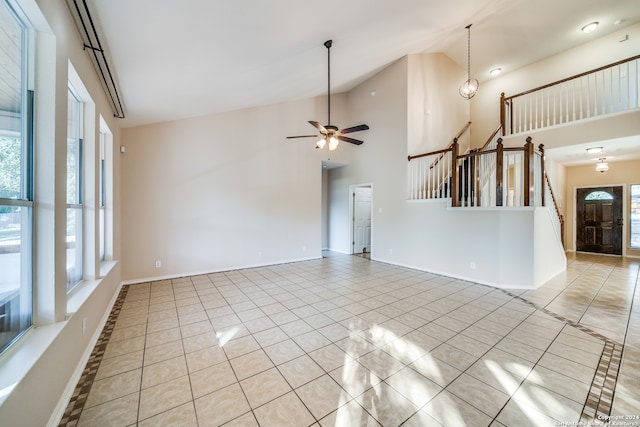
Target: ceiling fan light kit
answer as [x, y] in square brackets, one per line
[331, 134]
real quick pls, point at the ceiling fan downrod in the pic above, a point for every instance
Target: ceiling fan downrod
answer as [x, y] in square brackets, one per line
[328, 44]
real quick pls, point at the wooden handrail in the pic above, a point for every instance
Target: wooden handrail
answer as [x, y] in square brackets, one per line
[555, 205]
[431, 153]
[444, 150]
[455, 141]
[462, 131]
[577, 76]
[493, 135]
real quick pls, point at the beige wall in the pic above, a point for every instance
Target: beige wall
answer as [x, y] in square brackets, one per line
[510, 248]
[224, 191]
[380, 161]
[39, 372]
[619, 173]
[435, 112]
[485, 106]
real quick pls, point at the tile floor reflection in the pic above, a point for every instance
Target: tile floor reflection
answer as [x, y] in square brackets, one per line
[345, 341]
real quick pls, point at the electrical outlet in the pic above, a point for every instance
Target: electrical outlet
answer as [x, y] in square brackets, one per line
[472, 265]
[158, 263]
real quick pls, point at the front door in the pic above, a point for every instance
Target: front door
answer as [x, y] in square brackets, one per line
[599, 220]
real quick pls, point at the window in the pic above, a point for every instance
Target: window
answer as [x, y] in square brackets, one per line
[103, 196]
[635, 217]
[598, 195]
[105, 191]
[74, 190]
[16, 173]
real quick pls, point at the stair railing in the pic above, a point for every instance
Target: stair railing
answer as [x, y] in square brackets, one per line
[558, 218]
[502, 176]
[430, 174]
[605, 90]
[493, 140]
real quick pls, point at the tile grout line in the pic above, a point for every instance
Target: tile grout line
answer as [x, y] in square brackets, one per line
[76, 404]
[602, 390]
[599, 401]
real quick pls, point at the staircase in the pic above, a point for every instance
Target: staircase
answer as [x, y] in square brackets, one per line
[495, 175]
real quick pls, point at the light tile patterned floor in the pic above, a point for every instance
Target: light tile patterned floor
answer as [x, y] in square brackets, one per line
[344, 341]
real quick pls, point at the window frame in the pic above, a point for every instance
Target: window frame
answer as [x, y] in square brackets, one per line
[76, 205]
[24, 200]
[634, 209]
[102, 202]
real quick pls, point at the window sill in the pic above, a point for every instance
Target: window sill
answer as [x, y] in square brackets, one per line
[17, 360]
[80, 293]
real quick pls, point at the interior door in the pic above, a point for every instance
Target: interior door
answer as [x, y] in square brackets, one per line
[599, 220]
[362, 199]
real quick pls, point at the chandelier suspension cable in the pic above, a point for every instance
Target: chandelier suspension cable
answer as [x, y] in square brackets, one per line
[468, 27]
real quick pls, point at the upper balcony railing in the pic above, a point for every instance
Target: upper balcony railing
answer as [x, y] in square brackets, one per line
[494, 176]
[606, 90]
[501, 176]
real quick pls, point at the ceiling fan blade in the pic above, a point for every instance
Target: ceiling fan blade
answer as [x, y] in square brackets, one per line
[351, 140]
[318, 126]
[303, 136]
[354, 129]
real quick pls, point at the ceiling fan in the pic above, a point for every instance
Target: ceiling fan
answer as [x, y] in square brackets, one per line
[329, 133]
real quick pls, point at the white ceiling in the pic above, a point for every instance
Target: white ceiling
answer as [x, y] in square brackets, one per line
[181, 59]
[613, 150]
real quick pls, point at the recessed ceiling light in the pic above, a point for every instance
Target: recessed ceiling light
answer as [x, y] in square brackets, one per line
[495, 71]
[594, 150]
[590, 27]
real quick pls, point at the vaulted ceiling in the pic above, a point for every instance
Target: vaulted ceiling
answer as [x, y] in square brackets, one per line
[179, 59]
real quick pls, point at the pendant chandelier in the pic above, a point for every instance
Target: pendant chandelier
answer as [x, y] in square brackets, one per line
[470, 87]
[602, 166]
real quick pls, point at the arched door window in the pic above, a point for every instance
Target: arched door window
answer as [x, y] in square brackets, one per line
[598, 195]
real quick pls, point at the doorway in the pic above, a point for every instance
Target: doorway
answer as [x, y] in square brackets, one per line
[599, 220]
[361, 214]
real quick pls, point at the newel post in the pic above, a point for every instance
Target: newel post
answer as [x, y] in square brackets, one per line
[502, 113]
[453, 191]
[543, 174]
[528, 173]
[499, 174]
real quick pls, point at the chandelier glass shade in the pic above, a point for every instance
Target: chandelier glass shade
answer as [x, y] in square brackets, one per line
[470, 87]
[602, 166]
